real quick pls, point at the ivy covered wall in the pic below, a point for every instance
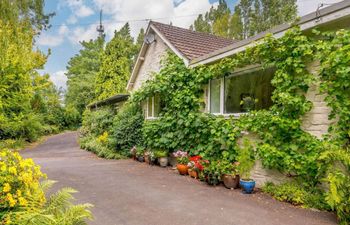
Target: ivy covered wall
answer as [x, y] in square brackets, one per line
[284, 145]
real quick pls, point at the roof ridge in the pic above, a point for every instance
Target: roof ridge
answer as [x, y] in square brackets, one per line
[193, 31]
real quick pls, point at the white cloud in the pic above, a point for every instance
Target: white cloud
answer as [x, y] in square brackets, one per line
[180, 13]
[84, 11]
[72, 19]
[306, 7]
[59, 78]
[49, 40]
[79, 9]
[52, 40]
[83, 34]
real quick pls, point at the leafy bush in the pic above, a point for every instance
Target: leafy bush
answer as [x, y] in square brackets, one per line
[296, 194]
[13, 144]
[19, 182]
[336, 164]
[127, 128]
[96, 122]
[23, 200]
[92, 144]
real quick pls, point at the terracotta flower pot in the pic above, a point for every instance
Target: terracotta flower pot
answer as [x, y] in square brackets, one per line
[183, 169]
[230, 181]
[193, 173]
[147, 159]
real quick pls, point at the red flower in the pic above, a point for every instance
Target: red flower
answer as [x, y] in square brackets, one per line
[195, 158]
[198, 165]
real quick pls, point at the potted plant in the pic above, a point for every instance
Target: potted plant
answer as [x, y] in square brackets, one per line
[195, 166]
[152, 158]
[140, 154]
[182, 161]
[133, 152]
[229, 172]
[246, 163]
[162, 157]
[146, 155]
[212, 173]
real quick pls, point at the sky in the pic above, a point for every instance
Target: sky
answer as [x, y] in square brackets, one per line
[76, 21]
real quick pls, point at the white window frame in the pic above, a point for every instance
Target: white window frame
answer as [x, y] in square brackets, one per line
[248, 69]
[152, 117]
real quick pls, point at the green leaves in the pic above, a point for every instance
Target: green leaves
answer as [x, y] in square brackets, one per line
[116, 62]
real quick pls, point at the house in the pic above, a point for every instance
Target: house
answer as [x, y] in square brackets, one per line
[160, 38]
[224, 95]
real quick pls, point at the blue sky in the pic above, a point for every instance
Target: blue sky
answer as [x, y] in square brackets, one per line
[76, 20]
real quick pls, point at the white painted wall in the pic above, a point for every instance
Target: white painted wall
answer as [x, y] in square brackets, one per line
[152, 62]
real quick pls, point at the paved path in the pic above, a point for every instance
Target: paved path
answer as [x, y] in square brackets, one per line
[133, 193]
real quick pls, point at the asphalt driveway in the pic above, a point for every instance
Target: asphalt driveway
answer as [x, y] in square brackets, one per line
[133, 193]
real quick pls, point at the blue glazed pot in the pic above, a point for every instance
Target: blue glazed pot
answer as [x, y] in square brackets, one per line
[247, 185]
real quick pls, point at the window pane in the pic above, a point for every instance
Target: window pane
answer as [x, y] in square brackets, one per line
[157, 106]
[215, 96]
[248, 91]
[150, 114]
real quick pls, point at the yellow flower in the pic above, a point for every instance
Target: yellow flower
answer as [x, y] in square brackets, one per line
[7, 187]
[3, 168]
[13, 170]
[22, 201]
[19, 193]
[12, 202]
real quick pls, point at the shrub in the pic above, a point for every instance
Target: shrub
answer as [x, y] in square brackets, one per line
[296, 194]
[98, 121]
[23, 200]
[92, 144]
[19, 182]
[337, 163]
[127, 129]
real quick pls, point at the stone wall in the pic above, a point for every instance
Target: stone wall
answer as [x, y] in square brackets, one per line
[152, 62]
[316, 121]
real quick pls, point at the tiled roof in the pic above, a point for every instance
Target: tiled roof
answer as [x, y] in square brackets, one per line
[191, 44]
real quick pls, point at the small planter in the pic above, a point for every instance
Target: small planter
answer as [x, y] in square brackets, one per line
[172, 160]
[247, 185]
[193, 173]
[230, 181]
[140, 158]
[147, 159]
[212, 180]
[183, 169]
[163, 161]
[152, 161]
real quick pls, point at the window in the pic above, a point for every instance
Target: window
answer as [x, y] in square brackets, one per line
[215, 86]
[153, 107]
[241, 92]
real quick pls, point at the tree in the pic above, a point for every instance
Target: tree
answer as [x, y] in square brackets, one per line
[248, 18]
[25, 11]
[18, 62]
[140, 39]
[116, 63]
[46, 102]
[265, 14]
[82, 70]
[201, 24]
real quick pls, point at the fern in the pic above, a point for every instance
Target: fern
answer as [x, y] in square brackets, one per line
[58, 210]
